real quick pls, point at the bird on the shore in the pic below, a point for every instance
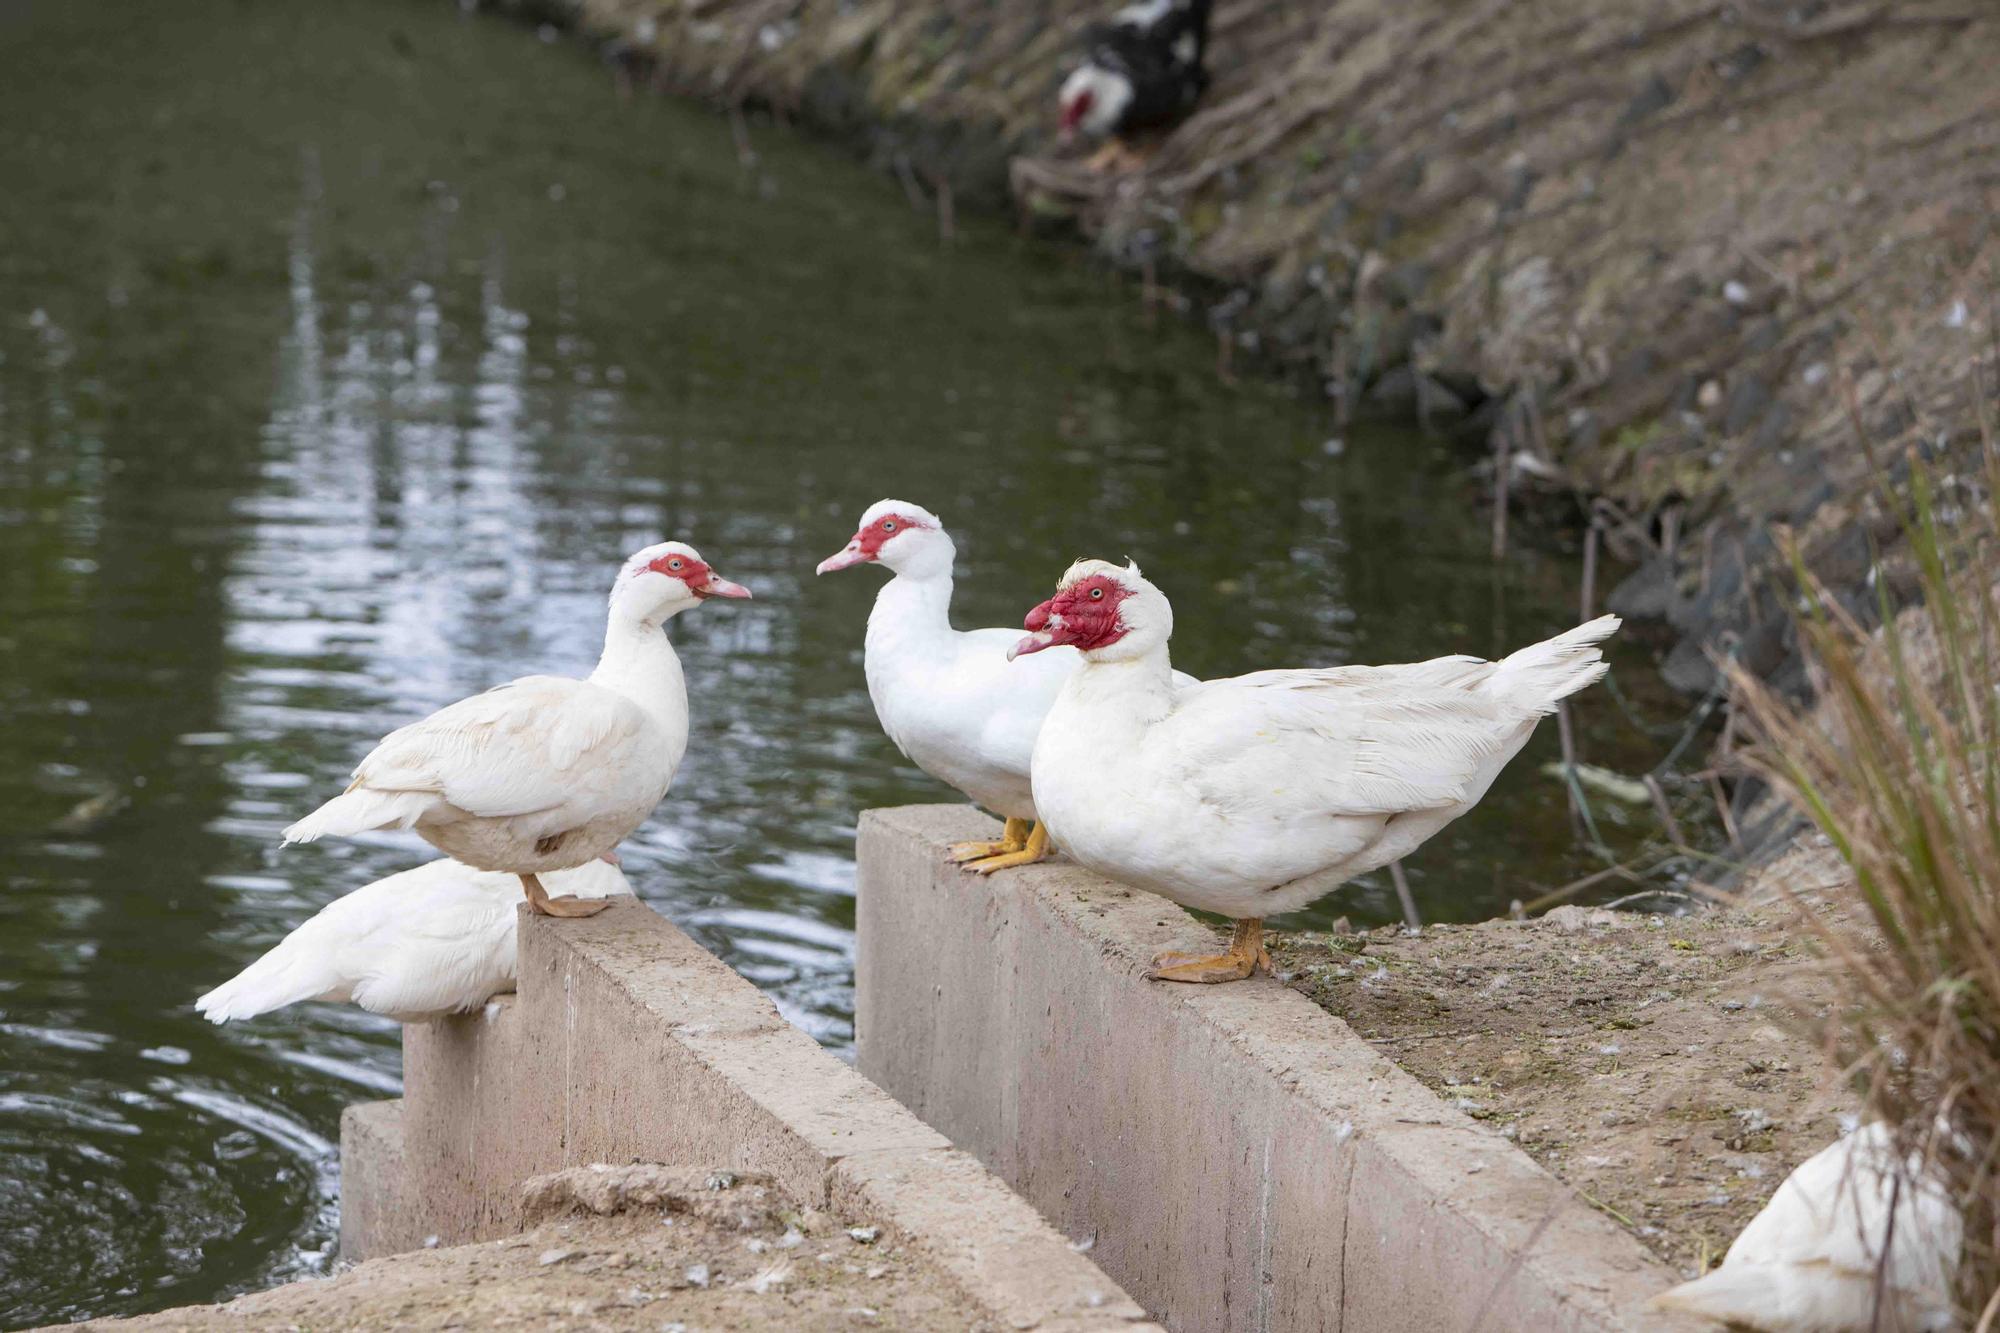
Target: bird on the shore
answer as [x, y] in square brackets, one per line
[417, 945]
[1143, 70]
[1257, 794]
[951, 699]
[1812, 1261]
[546, 773]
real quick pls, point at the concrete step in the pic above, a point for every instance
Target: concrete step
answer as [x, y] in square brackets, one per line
[1244, 1160]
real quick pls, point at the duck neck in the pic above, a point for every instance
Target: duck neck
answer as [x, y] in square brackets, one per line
[911, 621]
[640, 664]
[1140, 686]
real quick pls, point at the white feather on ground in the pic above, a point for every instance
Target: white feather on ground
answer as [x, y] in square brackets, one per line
[422, 943]
[1808, 1262]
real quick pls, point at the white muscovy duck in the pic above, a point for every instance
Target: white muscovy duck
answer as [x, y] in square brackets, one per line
[951, 700]
[1257, 794]
[1145, 69]
[1809, 1262]
[422, 943]
[545, 773]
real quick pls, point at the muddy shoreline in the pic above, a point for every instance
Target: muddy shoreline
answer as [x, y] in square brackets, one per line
[1669, 262]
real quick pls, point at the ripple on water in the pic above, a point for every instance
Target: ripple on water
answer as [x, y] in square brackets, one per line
[336, 455]
[112, 1193]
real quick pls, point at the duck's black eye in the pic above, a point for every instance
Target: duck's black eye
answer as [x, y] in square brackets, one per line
[676, 563]
[1097, 594]
[888, 525]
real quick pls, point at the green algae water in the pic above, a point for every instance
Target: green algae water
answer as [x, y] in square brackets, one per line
[345, 350]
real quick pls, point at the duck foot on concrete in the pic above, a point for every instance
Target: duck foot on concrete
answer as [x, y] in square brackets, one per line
[1012, 839]
[569, 905]
[1035, 849]
[1246, 953]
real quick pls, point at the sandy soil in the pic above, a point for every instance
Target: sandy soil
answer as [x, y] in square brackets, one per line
[1660, 1065]
[625, 1248]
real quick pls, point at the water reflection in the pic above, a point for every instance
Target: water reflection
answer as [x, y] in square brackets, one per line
[338, 374]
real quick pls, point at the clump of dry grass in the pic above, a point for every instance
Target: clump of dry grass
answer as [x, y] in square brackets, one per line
[1899, 765]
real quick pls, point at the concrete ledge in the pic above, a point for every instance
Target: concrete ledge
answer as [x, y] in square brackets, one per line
[628, 1042]
[373, 1220]
[1242, 1158]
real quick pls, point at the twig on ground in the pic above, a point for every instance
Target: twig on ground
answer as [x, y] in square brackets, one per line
[1694, 724]
[1574, 887]
[1722, 807]
[1605, 1208]
[1588, 598]
[1579, 807]
[1665, 811]
[1403, 896]
[1643, 894]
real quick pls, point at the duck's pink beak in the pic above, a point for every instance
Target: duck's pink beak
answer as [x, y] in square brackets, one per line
[721, 587]
[1044, 635]
[852, 555]
[1033, 643]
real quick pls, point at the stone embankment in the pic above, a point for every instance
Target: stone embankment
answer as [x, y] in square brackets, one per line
[1671, 256]
[1242, 1159]
[639, 1140]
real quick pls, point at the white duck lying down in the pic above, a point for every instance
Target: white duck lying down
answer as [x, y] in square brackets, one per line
[1258, 794]
[415, 946]
[546, 773]
[954, 701]
[1808, 1262]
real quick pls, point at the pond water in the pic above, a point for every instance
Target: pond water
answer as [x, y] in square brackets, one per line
[345, 350]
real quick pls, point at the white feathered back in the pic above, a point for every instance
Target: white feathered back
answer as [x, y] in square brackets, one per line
[432, 940]
[1808, 1262]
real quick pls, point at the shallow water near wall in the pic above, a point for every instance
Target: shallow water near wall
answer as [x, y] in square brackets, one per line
[346, 350]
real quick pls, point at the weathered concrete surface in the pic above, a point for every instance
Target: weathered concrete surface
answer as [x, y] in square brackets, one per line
[628, 1042]
[373, 1178]
[1243, 1160]
[1676, 237]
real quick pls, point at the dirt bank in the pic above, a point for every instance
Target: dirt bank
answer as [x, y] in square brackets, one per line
[1660, 1065]
[637, 1247]
[1653, 243]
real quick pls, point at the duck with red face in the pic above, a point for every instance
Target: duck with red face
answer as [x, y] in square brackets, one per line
[1257, 794]
[952, 700]
[1144, 70]
[545, 773]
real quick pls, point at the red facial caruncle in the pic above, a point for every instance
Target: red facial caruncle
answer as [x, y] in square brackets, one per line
[1084, 615]
[1076, 109]
[866, 545]
[694, 571]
